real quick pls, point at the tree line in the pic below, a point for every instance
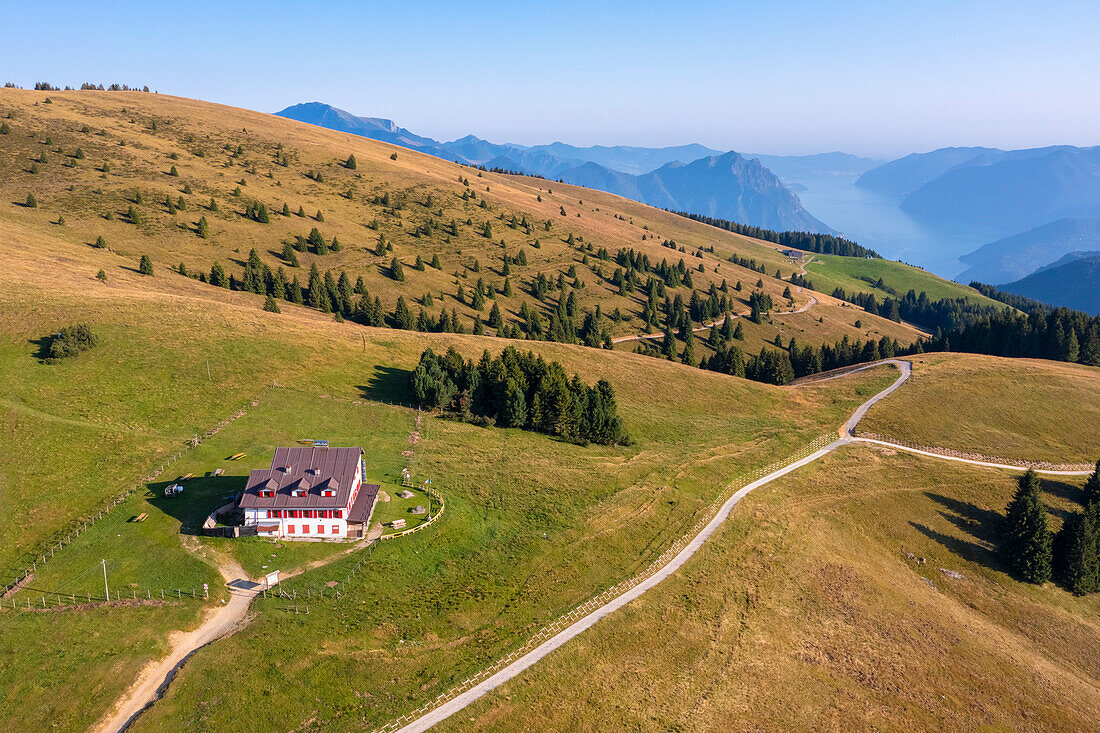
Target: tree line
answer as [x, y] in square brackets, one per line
[519, 390]
[1041, 332]
[826, 244]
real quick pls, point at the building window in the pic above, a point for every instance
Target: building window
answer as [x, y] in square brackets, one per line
[339, 513]
[305, 529]
[320, 529]
[290, 529]
[335, 529]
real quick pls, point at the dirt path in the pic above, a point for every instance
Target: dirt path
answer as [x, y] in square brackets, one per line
[643, 336]
[154, 679]
[451, 707]
[845, 437]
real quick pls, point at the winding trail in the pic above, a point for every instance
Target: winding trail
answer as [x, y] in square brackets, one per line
[643, 336]
[846, 436]
[156, 676]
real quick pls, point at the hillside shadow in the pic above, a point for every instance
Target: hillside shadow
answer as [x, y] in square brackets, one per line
[387, 384]
[201, 495]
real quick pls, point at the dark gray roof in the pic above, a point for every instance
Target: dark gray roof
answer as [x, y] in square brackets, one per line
[308, 468]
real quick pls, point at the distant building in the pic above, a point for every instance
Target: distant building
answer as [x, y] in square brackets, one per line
[310, 492]
[794, 254]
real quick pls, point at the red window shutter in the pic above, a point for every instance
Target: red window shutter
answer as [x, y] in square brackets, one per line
[335, 529]
[320, 529]
[290, 528]
[339, 513]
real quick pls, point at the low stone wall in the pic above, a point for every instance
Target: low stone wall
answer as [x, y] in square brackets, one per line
[950, 452]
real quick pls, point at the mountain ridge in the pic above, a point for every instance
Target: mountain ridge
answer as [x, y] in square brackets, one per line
[738, 189]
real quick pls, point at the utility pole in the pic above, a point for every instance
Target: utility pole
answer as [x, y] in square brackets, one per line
[106, 590]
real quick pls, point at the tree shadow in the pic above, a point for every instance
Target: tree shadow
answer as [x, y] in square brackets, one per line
[1063, 490]
[42, 347]
[983, 525]
[967, 550]
[201, 495]
[387, 384]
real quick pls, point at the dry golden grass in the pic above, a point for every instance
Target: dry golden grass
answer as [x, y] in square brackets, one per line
[1024, 409]
[803, 612]
[121, 134]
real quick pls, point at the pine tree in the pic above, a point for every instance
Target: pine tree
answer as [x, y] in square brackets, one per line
[1026, 539]
[217, 276]
[32, 202]
[688, 357]
[1072, 346]
[435, 262]
[271, 306]
[351, 164]
[397, 272]
[402, 316]
[1076, 547]
[145, 267]
[203, 228]
[174, 172]
[100, 242]
[1091, 490]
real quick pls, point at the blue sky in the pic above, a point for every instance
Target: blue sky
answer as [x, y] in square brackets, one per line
[877, 78]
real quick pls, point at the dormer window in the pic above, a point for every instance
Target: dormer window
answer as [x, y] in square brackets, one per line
[328, 492]
[267, 493]
[299, 487]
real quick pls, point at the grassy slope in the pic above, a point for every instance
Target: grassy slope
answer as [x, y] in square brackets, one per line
[829, 272]
[1013, 408]
[492, 575]
[803, 612]
[121, 134]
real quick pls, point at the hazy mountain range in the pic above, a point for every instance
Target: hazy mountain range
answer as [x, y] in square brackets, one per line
[994, 193]
[684, 177]
[1073, 282]
[1032, 206]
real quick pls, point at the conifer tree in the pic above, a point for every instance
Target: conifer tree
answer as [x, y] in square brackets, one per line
[351, 164]
[217, 276]
[100, 242]
[271, 306]
[145, 266]
[402, 316]
[1076, 552]
[32, 202]
[1026, 539]
[397, 272]
[435, 262]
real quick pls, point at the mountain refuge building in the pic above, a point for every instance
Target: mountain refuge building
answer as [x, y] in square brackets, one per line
[310, 493]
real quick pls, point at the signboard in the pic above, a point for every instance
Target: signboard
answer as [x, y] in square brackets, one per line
[271, 579]
[320, 444]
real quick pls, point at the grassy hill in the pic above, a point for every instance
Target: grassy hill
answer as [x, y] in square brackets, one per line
[533, 525]
[81, 431]
[804, 612]
[231, 159]
[1023, 409]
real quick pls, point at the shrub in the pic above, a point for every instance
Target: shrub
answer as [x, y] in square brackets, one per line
[100, 242]
[32, 202]
[71, 341]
